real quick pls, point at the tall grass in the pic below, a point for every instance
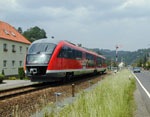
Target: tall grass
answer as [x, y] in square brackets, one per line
[113, 97]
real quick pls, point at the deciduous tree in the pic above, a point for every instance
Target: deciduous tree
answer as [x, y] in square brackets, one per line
[34, 33]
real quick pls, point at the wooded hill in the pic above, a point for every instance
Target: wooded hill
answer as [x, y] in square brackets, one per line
[126, 56]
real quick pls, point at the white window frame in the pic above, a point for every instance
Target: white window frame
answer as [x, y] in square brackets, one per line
[13, 63]
[4, 63]
[5, 47]
[20, 48]
[13, 48]
[20, 63]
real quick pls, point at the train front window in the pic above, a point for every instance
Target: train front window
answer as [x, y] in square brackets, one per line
[38, 59]
[40, 53]
[38, 48]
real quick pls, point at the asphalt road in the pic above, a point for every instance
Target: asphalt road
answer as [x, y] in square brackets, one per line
[143, 82]
[144, 78]
[8, 84]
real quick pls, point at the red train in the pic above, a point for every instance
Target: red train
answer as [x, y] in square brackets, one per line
[48, 60]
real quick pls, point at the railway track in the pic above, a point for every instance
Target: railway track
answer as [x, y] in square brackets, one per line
[13, 92]
[10, 93]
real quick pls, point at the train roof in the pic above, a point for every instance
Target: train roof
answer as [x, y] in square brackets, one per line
[47, 40]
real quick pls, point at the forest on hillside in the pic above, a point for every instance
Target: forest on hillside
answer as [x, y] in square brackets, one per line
[125, 56]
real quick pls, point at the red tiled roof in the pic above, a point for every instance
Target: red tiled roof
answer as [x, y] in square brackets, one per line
[12, 35]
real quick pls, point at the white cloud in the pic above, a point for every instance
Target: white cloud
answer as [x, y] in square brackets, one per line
[97, 23]
[76, 14]
[8, 4]
[54, 11]
[135, 3]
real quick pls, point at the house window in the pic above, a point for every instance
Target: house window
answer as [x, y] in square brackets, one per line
[13, 48]
[4, 63]
[13, 63]
[20, 62]
[5, 47]
[26, 49]
[13, 34]
[6, 32]
[20, 49]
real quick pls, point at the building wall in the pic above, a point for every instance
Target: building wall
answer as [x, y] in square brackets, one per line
[13, 59]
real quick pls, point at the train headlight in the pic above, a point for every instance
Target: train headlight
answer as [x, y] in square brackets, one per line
[43, 55]
[45, 58]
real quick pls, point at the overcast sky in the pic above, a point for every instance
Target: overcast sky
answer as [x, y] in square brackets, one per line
[93, 23]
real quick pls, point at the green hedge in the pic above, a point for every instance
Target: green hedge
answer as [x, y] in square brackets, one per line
[3, 73]
[12, 78]
[21, 73]
[1, 78]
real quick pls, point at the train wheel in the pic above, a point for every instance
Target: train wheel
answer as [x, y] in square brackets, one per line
[95, 71]
[100, 72]
[64, 79]
[69, 75]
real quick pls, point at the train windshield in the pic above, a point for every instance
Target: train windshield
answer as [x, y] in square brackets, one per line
[38, 48]
[40, 53]
[38, 59]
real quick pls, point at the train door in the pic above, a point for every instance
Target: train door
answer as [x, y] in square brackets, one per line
[62, 58]
[84, 61]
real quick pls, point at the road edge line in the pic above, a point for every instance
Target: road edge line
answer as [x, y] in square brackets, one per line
[148, 94]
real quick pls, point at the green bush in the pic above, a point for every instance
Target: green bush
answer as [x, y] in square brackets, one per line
[21, 73]
[12, 78]
[1, 78]
[26, 78]
[3, 73]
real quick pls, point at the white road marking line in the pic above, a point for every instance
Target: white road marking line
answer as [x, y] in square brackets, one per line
[148, 94]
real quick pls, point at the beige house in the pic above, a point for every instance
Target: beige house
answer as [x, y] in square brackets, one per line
[13, 48]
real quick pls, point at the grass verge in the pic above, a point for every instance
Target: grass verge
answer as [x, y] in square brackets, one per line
[113, 97]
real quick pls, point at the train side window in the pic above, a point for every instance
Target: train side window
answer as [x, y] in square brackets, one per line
[90, 60]
[99, 62]
[70, 53]
[73, 54]
[103, 61]
[84, 55]
[79, 54]
[60, 55]
[63, 52]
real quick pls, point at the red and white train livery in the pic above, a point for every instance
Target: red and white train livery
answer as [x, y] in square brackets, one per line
[48, 60]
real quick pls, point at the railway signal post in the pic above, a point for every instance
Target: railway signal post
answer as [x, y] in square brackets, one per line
[117, 47]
